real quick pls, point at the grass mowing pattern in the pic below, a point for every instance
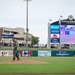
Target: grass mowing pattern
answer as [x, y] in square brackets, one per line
[55, 65]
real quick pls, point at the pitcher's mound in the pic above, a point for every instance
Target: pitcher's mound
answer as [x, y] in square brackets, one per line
[24, 61]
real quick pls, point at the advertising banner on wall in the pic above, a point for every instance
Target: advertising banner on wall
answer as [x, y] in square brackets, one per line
[26, 53]
[44, 53]
[1, 53]
[62, 53]
[6, 53]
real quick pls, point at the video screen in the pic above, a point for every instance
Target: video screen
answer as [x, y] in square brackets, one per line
[55, 38]
[55, 30]
[67, 34]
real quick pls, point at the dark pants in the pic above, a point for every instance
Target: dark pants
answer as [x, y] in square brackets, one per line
[15, 55]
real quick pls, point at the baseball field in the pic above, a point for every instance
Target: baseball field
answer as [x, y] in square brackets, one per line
[38, 66]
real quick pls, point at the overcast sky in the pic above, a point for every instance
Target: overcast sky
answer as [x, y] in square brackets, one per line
[13, 14]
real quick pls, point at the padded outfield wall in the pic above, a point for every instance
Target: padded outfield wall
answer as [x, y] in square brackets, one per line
[38, 53]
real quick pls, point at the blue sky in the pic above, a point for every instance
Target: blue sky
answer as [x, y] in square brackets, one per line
[13, 14]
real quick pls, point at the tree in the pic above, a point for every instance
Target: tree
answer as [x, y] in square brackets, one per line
[35, 40]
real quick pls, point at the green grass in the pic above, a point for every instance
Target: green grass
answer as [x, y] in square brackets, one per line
[23, 48]
[56, 65]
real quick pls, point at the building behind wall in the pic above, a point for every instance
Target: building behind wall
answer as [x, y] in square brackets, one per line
[19, 34]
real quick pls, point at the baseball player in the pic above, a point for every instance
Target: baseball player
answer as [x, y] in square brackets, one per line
[15, 54]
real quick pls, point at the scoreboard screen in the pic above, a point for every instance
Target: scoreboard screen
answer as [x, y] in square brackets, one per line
[67, 34]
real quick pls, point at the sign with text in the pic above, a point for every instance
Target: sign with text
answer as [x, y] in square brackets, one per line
[7, 35]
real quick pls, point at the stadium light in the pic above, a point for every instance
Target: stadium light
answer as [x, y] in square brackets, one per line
[27, 23]
[60, 24]
[60, 19]
[48, 42]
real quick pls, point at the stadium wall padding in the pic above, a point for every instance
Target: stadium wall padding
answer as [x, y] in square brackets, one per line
[37, 53]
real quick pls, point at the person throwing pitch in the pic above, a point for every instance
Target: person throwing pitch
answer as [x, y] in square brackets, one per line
[15, 53]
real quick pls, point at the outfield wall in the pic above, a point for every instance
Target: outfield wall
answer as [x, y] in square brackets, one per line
[39, 53]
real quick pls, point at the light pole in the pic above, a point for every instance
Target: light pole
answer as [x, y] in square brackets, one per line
[27, 23]
[49, 38]
[59, 34]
